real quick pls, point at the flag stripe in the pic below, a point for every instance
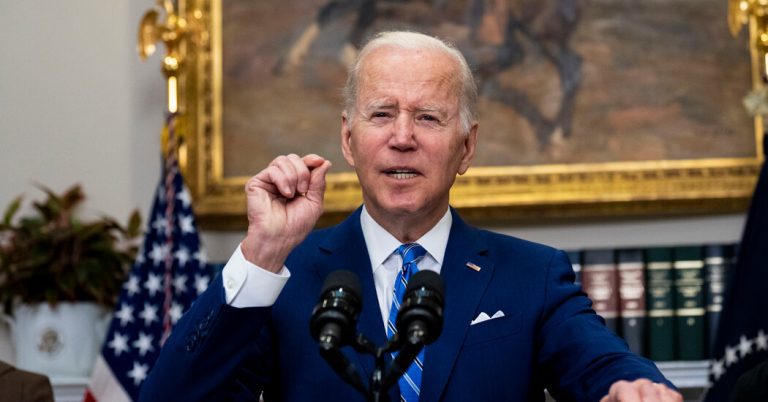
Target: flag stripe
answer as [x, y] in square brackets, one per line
[104, 386]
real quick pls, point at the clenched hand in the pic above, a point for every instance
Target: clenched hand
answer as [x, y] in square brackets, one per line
[283, 203]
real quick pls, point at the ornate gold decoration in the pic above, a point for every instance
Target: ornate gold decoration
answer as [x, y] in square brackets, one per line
[178, 27]
[485, 194]
[755, 14]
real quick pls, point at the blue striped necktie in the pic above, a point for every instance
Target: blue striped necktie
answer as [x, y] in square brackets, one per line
[410, 382]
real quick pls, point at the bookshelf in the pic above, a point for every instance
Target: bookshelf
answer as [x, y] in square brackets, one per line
[686, 374]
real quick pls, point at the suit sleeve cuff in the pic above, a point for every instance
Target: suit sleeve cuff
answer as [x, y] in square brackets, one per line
[248, 285]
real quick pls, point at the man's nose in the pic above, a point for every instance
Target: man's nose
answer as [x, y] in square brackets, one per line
[403, 135]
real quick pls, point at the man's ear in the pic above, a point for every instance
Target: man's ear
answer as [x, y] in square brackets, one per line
[346, 139]
[470, 141]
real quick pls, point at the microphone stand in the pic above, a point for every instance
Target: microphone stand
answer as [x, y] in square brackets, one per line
[382, 377]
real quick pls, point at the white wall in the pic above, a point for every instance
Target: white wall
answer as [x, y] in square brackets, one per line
[77, 105]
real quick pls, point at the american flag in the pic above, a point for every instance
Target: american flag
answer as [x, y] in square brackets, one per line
[169, 273]
[741, 343]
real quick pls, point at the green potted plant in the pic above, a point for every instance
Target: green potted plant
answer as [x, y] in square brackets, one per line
[59, 278]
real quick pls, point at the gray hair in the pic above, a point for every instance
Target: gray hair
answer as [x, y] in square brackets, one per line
[416, 41]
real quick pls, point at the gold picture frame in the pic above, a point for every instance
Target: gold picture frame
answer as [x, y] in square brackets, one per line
[551, 191]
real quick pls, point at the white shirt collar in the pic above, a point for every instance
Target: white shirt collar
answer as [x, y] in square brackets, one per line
[381, 243]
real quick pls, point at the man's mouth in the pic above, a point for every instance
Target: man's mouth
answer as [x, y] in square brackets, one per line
[401, 174]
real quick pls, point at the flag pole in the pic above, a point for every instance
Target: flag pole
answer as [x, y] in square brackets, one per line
[174, 30]
[171, 270]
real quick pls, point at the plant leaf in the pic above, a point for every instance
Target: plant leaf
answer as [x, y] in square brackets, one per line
[11, 210]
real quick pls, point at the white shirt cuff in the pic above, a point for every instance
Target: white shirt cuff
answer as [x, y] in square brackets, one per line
[248, 285]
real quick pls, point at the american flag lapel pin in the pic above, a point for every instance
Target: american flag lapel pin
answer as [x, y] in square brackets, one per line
[473, 266]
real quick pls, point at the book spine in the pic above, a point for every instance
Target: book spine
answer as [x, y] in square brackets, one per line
[660, 303]
[631, 269]
[718, 260]
[599, 281]
[689, 307]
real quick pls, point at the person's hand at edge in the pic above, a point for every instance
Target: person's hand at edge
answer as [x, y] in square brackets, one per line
[641, 390]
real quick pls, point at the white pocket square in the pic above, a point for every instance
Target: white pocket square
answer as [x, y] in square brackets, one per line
[482, 317]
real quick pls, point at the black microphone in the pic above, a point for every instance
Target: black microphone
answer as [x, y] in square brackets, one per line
[334, 317]
[333, 323]
[419, 321]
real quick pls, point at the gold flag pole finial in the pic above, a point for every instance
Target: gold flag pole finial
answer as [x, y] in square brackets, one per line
[173, 31]
[754, 14]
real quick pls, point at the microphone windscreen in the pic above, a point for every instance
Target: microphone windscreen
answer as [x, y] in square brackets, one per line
[427, 279]
[342, 279]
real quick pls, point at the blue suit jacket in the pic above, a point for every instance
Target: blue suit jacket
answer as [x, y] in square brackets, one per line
[549, 335]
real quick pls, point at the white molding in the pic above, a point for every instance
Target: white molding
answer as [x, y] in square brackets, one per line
[686, 374]
[69, 389]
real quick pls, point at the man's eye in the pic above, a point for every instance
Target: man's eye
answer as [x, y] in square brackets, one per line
[429, 117]
[379, 114]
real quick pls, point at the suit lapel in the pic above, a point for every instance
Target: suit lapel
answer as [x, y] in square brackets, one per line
[345, 248]
[464, 288]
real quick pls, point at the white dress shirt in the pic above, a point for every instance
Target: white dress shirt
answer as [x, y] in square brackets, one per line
[386, 261]
[248, 285]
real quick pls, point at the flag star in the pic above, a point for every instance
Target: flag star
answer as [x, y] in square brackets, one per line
[160, 224]
[187, 224]
[161, 194]
[180, 283]
[119, 343]
[201, 257]
[138, 373]
[132, 285]
[761, 341]
[125, 314]
[149, 314]
[175, 312]
[184, 197]
[201, 283]
[153, 284]
[144, 343]
[140, 256]
[745, 346]
[158, 253]
[730, 356]
[182, 255]
[717, 369]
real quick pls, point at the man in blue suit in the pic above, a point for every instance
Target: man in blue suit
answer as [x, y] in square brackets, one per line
[514, 322]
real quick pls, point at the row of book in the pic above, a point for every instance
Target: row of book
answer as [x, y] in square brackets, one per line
[664, 301]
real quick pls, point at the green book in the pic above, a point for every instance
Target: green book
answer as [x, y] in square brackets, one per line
[660, 303]
[688, 264]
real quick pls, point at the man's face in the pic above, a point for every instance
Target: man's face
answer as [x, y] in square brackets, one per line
[405, 140]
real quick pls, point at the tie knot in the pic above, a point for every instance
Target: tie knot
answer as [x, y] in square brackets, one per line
[411, 252]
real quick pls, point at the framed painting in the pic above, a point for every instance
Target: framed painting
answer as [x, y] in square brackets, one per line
[588, 108]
